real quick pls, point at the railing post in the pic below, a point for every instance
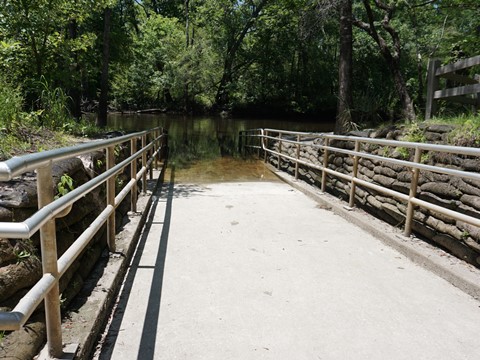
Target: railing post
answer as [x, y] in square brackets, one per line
[413, 193]
[48, 243]
[150, 152]
[325, 166]
[133, 175]
[354, 175]
[265, 145]
[144, 164]
[111, 199]
[298, 157]
[155, 147]
[279, 158]
[259, 148]
[164, 144]
[240, 147]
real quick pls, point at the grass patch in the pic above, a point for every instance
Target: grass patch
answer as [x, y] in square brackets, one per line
[466, 132]
[29, 138]
[23, 140]
[47, 127]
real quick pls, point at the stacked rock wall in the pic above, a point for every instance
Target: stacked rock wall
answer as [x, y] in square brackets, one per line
[461, 195]
[20, 260]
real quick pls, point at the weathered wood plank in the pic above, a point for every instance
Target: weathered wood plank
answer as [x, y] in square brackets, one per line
[459, 65]
[457, 91]
[462, 100]
[459, 78]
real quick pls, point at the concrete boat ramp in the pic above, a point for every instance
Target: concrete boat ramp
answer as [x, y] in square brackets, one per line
[259, 270]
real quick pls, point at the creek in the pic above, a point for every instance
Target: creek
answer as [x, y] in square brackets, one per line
[205, 148]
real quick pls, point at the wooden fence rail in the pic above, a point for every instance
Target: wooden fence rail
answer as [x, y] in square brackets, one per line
[462, 94]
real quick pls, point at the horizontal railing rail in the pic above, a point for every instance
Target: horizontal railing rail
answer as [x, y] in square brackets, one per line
[262, 138]
[153, 141]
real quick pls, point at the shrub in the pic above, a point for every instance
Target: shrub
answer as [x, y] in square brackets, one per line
[10, 104]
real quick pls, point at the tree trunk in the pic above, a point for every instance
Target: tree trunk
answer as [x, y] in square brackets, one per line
[402, 91]
[75, 91]
[187, 40]
[222, 98]
[345, 70]
[103, 101]
[390, 52]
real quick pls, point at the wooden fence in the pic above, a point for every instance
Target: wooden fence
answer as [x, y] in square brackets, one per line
[464, 87]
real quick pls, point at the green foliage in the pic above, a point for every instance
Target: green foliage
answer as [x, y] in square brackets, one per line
[413, 133]
[150, 79]
[10, 145]
[466, 132]
[22, 255]
[403, 152]
[53, 103]
[119, 184]
[64, 186]
[286, 59]
[11, 103]
[425, 158]
[24, 249]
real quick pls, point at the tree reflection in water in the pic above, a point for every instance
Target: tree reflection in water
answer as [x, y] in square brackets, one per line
[205, 148]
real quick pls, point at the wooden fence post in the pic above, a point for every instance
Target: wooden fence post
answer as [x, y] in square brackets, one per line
[432, 86]
[477, 106]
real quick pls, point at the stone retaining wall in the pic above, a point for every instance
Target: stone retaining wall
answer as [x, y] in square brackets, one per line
[462, 195]
[20, 264]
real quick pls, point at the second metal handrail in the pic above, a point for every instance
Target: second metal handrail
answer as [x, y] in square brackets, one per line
[263, 136]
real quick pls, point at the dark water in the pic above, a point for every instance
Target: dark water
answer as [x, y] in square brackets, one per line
[205, 148]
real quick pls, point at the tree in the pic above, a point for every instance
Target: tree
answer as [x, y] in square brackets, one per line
[50, 40]
[239, 18]
[345, 70]
[103, 101]
[391, 52]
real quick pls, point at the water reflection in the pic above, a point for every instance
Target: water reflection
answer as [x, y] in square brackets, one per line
[207, 147]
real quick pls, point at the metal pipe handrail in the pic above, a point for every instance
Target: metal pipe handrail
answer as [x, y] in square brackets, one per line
[420, 166]
[416, 165]
[25, 229]
[462, 150]
[22, 164]
[47, 287]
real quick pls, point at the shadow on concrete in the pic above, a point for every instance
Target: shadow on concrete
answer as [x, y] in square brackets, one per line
[165, 192]
[146, 350]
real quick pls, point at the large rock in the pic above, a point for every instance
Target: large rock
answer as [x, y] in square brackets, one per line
[434, 199]
[383, 170]
[473, 201]
[465, 187]
[444, 190]
[384, 180]
[439, 128]
[6, 215]
[20, 192]
[19, 275]
[27, 341]
[471, 165]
